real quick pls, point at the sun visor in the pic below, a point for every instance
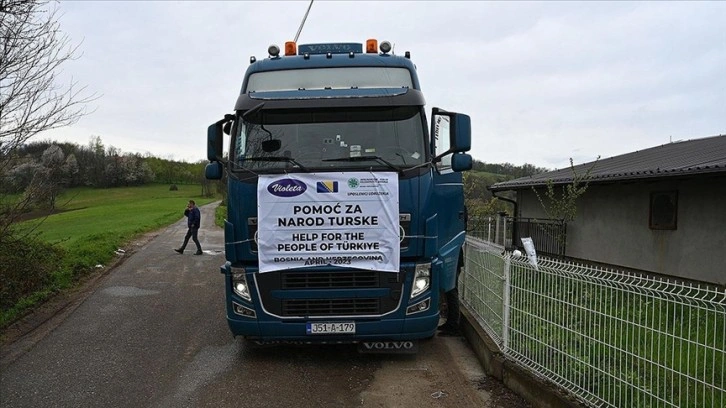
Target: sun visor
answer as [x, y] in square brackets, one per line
[325, 98]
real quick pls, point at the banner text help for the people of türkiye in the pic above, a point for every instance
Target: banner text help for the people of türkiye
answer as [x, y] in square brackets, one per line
[338, 219]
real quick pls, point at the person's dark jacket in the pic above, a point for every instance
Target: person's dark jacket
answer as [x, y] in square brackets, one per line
[194, 217]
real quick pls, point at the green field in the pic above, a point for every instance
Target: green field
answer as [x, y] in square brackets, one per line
[114, 215]
[88, 226]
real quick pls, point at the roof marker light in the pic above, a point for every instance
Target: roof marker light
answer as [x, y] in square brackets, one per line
[273, 50]
[408, 54]
[385, 47]
[371, 46]
[253, 59]
[290, 48]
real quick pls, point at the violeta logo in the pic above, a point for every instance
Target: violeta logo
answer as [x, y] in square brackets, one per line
[287, 188]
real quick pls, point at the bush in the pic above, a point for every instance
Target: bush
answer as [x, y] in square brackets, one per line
[220, 214]
[26, 266]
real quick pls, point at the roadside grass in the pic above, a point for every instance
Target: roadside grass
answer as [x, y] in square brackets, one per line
[89, 226]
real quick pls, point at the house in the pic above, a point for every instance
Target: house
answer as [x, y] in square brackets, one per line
[659, 210]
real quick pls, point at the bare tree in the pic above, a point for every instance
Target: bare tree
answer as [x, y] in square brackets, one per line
[32, 99]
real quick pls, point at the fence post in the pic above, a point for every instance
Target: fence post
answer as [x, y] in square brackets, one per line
[505, 302]
[489, 229]
[504, 236]
[461, 279]
[496, 230]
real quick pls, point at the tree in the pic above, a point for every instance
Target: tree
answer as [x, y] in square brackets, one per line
[72, 169]
[134, 170]
[480, 205]
[19, 177]
[52, 175]
[50, 179]
[560, 202]
[95, 161]
[33, 50]
[31, 98]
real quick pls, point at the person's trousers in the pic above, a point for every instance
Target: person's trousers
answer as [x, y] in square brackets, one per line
[452, 307]
[452, 303]
[192, 233]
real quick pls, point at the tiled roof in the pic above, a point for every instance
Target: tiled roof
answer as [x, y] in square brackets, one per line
[706, 155]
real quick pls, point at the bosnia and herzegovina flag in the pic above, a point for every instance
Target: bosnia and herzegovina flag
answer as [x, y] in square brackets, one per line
[327, 186]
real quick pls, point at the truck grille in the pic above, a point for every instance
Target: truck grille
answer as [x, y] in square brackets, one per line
[343, 292]
[327, 280]
[330, 307]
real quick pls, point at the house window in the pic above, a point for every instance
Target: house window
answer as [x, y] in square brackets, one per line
[663, 210]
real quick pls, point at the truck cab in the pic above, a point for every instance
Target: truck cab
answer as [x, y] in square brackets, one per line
[345, 214]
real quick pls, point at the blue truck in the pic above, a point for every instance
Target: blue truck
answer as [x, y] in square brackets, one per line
[345, 209]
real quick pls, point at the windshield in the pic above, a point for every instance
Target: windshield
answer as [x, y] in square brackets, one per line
[330, 138]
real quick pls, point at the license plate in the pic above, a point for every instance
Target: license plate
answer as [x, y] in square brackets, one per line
[331, 328]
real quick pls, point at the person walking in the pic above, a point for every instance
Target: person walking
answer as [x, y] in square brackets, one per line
[194, 218]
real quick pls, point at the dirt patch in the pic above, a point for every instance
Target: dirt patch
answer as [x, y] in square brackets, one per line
[501, 396]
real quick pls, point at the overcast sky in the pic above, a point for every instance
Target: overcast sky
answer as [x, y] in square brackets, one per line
[542, 81]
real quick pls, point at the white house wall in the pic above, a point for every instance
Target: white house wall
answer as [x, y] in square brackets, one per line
[612, 227]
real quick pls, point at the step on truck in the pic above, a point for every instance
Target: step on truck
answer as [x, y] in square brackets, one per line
[345, 209]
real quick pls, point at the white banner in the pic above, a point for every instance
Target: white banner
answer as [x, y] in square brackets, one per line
[531, 252]
[339, 219]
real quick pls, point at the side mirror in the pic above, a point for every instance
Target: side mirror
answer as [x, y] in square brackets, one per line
[215, 138]
[450, 133]
[213, 171]
[461, 133]
[461, 162]
[214, 142]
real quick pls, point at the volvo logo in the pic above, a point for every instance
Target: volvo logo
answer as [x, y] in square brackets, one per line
[287, 188]
[404, 347]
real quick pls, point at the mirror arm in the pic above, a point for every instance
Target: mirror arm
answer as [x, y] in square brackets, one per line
[227, 117]
[438, 158]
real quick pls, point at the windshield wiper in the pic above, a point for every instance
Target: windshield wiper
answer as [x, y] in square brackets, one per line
[277, 159]
[366, 158]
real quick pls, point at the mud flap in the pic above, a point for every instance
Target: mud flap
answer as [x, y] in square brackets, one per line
[388, 347]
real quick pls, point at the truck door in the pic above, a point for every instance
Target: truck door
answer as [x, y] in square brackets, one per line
[448, 196]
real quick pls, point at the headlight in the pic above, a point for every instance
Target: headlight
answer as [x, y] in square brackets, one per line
[421, 279]
[239, 284]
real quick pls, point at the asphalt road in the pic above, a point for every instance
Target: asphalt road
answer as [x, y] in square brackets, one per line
[151, 332]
